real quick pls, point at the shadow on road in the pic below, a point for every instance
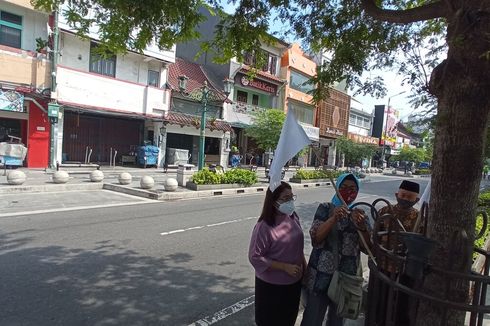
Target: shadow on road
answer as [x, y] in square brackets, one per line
[107, 285]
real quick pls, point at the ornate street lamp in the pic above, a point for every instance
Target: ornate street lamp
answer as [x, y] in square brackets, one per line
[204, 95]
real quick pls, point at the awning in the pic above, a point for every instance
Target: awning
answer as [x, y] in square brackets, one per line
[312, 132]
[188, 120]
[74, 107]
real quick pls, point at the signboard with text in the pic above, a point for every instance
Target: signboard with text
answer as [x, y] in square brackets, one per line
[363, 139]
[244, 80]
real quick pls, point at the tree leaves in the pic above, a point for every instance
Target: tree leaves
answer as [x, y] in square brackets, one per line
[266, 128]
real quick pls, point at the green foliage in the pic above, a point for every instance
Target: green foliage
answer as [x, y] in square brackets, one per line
[416, 155]
[240, 176]
[206, 177]
[354, 152]
[422, 171]
[315, 174]
[484, 204]
[266, 128]
[484, 199]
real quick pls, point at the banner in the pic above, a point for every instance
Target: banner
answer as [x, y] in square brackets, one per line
[11, 101]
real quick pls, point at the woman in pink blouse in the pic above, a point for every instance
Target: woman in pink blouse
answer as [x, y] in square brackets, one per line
[276, 253]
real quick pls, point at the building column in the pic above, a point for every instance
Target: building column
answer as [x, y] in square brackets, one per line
[58, 138]
[160, 139]
[225, 149]
[332, 153]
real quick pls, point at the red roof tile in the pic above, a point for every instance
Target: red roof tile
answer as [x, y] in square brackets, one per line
[183, 119]
[263, 74]
[196, 76]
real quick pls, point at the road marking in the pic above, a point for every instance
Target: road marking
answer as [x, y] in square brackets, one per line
[226, 312]
[68, 209]
[209, 225]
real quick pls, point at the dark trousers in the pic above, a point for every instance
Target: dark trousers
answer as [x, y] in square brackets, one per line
[316, 309]
[276, 305]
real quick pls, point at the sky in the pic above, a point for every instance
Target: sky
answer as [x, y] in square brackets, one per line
[392, 80]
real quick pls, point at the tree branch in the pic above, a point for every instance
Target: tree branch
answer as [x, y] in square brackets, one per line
[429, 11]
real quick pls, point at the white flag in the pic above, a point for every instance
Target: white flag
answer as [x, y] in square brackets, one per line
[292, 140]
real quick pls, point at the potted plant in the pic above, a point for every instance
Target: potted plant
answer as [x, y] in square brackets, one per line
[41, 45]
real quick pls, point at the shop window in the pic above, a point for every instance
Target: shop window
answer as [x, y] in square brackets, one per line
[352, 119]
[304, 113]
[300, 82]
[102, 64]
[211, 146]
[255, 100]
[241, 96]
[153, 78]
[10, 29]
[270, 64]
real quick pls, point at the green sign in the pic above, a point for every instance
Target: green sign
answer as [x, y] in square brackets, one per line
[53, 110]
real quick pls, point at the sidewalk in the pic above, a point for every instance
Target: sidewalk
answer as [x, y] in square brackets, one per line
[40, 181]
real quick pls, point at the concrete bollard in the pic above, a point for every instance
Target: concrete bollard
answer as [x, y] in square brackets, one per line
[147, 182]
[61, 177]
[171, 184]
[96, 176]
[125, 178]
[16, 178]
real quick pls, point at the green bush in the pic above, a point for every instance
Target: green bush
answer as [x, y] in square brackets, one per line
[206, 177]
[422, 171]
[241, 176]
[484, 199]
[315, 174]
[483, 203]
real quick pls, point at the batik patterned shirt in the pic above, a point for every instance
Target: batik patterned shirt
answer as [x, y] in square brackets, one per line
[322, 265]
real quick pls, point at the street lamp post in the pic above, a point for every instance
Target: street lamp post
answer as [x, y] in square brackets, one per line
[386, 125]
[203, 95]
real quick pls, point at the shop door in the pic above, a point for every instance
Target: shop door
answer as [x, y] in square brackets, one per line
[79, 132]
[38, 138]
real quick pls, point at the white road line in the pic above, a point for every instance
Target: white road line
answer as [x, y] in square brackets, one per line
[208, 225]
[226, 312]
[68, 209]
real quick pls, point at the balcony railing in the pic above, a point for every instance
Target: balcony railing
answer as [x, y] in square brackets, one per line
[246, 108]
[90, 89]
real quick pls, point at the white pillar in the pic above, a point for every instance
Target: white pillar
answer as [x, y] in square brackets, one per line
[161, 142]
[58, 137]
[332, 153]
[225, 149]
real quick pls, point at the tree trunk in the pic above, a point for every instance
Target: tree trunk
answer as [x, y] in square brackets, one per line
[462, 86]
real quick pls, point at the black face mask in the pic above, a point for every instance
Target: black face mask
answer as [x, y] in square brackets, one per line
[403, 203]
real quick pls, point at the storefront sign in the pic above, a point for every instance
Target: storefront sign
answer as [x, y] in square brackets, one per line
[363, 139]
[313, 133]
[334, 131]
[255, 83]
[11, 101]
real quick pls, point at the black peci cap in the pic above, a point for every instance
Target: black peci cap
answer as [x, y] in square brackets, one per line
[410, 186]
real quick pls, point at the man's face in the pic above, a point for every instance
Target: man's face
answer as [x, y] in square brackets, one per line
[407, 195]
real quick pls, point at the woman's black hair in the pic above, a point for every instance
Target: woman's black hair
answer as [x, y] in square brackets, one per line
[269, 210]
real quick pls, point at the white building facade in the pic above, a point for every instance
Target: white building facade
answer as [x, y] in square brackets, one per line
[109, 103]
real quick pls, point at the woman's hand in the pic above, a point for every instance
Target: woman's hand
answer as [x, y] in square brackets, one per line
[293, 270]
[340, 212]
[359, 219]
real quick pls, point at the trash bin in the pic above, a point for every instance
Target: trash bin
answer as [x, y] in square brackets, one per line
[147, 155]
[184, 174]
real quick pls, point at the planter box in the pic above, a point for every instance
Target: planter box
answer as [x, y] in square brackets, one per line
[294, 180]
[192, 186]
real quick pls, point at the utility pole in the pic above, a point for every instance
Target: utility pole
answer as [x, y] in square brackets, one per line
[53, 107]
[386, 110]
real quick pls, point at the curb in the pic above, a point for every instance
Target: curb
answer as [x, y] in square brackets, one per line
[50, 188]
[130, 191]
[201, 193]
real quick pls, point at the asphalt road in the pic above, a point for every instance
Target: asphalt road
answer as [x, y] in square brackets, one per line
[170, 263]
